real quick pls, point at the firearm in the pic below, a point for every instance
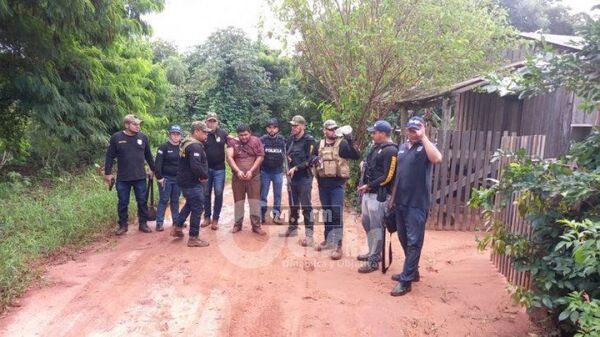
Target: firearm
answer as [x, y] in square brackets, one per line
[287, 177]
[100, 170]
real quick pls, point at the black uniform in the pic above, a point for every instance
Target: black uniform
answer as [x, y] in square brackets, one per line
[274, 153]
[130, 152]
[215, 149]
[300, 153]
[380, 168]
[167, 160]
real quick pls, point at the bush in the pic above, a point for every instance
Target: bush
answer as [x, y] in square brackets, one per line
[561, 202]
[37, 219]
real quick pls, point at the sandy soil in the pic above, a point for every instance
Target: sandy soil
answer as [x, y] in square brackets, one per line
[246, 285]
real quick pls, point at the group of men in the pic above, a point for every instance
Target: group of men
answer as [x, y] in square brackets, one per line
[394, 178]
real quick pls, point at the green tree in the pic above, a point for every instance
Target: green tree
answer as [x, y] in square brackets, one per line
[368, 54]
[549, 16]
[74, 68]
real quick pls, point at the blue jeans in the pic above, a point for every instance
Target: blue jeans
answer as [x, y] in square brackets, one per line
[194, 204]
[301, 198]
[123, 193]
[265, 181]
[216, 182]
[410, 222]
[332, 204]
[170, 192]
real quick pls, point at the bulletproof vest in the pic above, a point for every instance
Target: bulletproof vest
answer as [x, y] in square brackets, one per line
[274, 148]
[331, 164]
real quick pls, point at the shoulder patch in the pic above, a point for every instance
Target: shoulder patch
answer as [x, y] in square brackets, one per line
[196, 154]
[160, 151]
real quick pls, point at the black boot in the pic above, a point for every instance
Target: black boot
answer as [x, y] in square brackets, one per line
[122, 229]
[144, 228]
[396, 277]
[402, 288]
[368, 267]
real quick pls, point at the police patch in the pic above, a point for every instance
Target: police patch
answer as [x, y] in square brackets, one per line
[160, 151]
[218, 139]
[139, 141]
[196, 154]
[419, 148]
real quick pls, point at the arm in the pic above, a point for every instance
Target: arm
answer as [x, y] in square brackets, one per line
[111, 154]
[149, 158]
[389, 164]
[310, 145]
[234, 168]
[160, 155]
[348, 151]
[433, 154]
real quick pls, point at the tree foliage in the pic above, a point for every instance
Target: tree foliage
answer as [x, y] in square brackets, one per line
[546, 71]
[550, 16]
[561, 202]
[75, 68]
[367, 54]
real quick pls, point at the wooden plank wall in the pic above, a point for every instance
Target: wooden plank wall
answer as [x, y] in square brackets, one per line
[535, 146]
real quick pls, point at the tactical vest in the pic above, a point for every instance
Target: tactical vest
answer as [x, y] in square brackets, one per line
[331, 164]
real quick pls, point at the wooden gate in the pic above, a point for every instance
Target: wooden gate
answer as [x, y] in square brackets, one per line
[466, 166]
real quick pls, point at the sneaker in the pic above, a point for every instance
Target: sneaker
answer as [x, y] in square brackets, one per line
[214, 225]
[205, 223]
[325, 245]
[159, 228]
[195, 241]
[368, 267]
[121, 230]
[307, 242]
[337, 254]
[177, 232]
[363, 257]
[259, 231]
[289, 233]
[144, 228]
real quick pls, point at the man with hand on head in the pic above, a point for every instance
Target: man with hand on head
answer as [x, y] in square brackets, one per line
[131, 148]
[411, 198]
[192, 174]
[271, 169]
[379, 169]
[167, 162]
[244, 155]
[332, 171]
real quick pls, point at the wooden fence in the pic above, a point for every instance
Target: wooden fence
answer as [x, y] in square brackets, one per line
[535, 147]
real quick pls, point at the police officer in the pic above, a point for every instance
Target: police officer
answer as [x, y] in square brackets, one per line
[332, 172]
[167, 161]
[192, 174]
[412, 199]
[271, 169]
[131, 148]
[378, 177]
[299, 150]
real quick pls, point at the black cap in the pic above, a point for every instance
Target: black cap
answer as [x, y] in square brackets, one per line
[273, 122]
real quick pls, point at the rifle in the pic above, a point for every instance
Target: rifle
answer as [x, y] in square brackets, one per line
[287, 177]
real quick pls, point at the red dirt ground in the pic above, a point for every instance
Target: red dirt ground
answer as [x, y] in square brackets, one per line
[246, 285]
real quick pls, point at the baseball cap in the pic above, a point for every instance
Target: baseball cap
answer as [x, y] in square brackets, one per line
[175, 129]
[200, 125]
[330, 124]
[132, 119]
[415, 122]
[212, 116]
[298, 120]
[382, 126]
[273, 122]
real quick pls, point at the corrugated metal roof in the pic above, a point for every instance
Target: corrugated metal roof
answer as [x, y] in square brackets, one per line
[567, 41]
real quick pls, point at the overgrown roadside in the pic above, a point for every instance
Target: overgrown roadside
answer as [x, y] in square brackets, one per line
[39, 219]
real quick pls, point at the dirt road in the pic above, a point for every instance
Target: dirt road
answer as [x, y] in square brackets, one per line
[246, 285]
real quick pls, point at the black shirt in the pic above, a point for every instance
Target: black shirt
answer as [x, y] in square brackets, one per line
[413, 177]
[380, 167]
[300, 152]
[193, 166]
[215, 149]
[347, 151]
[130, 152]
[274, 153]
[167, 160]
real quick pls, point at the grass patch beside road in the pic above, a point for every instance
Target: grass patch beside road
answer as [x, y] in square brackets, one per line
[38, 219]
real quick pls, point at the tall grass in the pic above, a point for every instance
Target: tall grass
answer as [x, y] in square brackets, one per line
[36, 220]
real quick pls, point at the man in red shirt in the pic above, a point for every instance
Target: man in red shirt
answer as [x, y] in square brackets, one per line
[244, 155]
